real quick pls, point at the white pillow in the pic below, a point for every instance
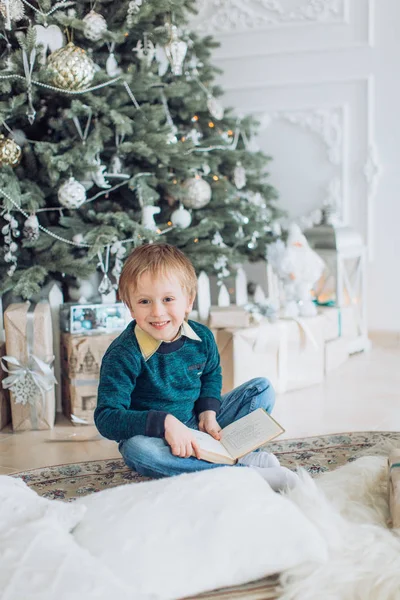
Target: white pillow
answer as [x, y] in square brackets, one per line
[19, 505]
[42, 561]
[184, 535]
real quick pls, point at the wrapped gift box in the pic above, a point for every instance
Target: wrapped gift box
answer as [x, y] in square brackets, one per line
[81, 357]
[336, 353]
[5, 409]
[290, 353]
[40, 413]
[332, 324]
[80, 398]
[228, 316]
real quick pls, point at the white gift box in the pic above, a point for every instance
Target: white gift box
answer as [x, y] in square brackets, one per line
[290, 353]
[336, 353]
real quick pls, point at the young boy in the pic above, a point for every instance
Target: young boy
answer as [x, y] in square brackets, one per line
[161, 378]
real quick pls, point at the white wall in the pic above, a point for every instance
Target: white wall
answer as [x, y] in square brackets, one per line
[324, 77]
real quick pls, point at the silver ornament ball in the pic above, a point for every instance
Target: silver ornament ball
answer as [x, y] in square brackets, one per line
[197, 193]
[94, 26]
[71, 194]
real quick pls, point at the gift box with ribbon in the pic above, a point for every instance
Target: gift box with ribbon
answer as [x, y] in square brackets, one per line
[5, 410]
[28, 365]
[289, 352]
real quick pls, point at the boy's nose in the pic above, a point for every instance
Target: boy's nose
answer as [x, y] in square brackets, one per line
[157, 309]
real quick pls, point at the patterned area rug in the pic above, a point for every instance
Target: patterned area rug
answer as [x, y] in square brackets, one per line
[315, 454]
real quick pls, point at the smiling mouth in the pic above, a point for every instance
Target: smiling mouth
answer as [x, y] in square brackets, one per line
[159, 324]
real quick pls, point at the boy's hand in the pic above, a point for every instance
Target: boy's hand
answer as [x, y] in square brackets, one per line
[180, 438]
[208, 423]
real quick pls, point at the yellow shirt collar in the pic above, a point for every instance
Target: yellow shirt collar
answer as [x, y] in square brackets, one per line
[148, 345]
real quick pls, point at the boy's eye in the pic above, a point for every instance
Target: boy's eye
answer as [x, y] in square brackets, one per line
[143, 301]
[168, 299]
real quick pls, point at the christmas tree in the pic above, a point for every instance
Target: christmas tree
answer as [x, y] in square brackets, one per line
[113, 135]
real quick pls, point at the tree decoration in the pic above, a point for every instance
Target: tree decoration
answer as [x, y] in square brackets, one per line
[148, 212]
[145, 51]
[133, 9]
[10, 230]
[215, 108]
[112, 68]
[239, 176]
[71, 194]
[12, 10]
[51, 38]
[31, 229]
[10, 152]
[94, 26]
[181, 218]
[176, 51]
[218, 241]
[71, 68]
[196, 192]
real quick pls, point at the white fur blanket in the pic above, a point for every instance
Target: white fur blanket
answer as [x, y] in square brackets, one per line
[350, 508]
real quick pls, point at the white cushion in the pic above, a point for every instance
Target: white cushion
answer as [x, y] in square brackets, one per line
[184, 535]
[19, 505]
[42, 561]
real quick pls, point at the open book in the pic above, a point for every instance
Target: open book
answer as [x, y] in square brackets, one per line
[238, 438]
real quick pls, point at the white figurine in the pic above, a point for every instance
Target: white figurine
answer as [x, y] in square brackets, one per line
[148, 213]
[299, 267]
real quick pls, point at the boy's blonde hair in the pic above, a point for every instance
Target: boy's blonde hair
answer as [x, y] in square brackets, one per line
[156, 259]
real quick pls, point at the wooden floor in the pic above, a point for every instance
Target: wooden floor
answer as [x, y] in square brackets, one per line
[363, 394]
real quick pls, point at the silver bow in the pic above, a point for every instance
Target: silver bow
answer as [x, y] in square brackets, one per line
[28, 381]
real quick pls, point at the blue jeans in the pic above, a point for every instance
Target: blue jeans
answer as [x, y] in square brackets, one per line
[152, 457]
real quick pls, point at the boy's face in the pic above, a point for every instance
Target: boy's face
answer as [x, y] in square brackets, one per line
[159, 305]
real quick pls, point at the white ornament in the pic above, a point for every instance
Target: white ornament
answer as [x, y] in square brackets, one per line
[162, 60]
[241, 287]
[99, 173]
[77, 238]
[11, 10]
[195, 136]
[31, 229]
[215, 108]
[176, 51]
[197, 193]
[203, 296]
[51, 38]
[259, 296]
[112, 68]
[224, 299]
[239, 176]
[181, 218]
[218, 241]
[148, 213]
[116, 165]
[94, 26]
[145, 51]
[71, 194]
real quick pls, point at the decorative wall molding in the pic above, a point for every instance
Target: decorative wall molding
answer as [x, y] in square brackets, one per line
[328, 125]
[221, 16]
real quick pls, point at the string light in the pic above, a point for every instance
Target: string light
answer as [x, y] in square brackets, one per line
[183, 139]
[174, 181]
[215, 177]
[195, 118]
[211, 124]
[196, 240]
[169, 223]
[230, 132]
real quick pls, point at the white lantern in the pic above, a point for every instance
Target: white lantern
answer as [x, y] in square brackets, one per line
[343, 283]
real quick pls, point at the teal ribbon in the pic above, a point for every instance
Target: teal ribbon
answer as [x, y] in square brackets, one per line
[395, 466]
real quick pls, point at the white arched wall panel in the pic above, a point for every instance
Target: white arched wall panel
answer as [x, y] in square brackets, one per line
[278, 26]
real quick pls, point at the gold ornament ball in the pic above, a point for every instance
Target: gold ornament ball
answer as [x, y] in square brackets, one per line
[10, 152]
[71, 68]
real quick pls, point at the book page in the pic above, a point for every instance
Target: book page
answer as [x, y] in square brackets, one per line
[250, 432]
[207, 443]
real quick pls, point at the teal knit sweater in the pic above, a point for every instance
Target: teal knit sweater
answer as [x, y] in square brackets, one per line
[135, 396]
